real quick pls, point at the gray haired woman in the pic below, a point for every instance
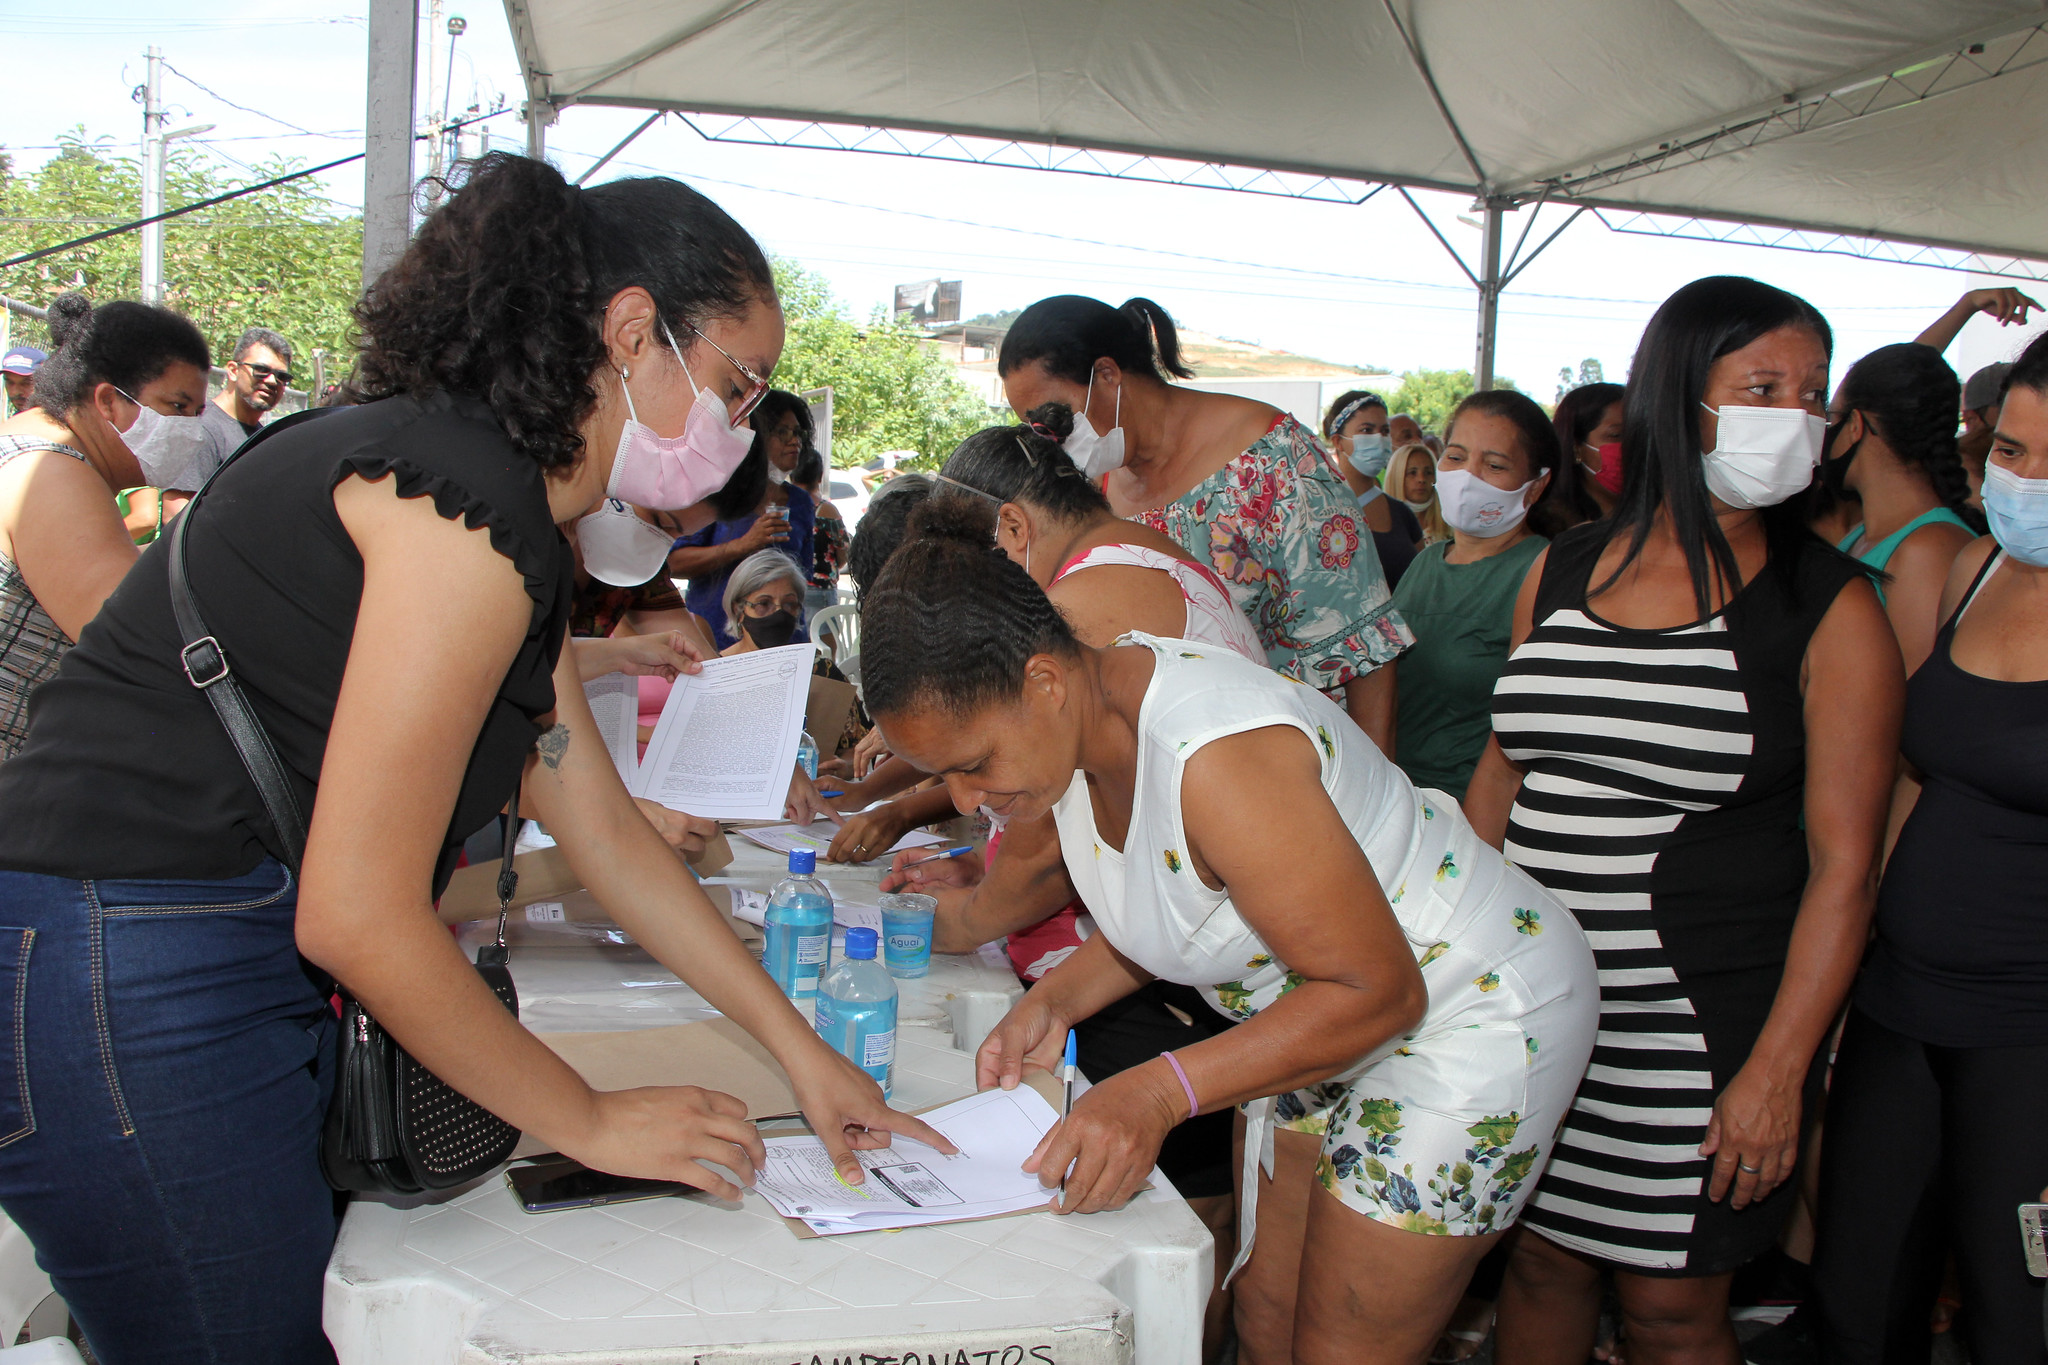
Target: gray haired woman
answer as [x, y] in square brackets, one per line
[764, 599]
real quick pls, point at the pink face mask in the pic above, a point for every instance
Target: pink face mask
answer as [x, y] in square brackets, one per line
[666, 473]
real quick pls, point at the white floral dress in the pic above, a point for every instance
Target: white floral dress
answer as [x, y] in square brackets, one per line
[1442, 1131]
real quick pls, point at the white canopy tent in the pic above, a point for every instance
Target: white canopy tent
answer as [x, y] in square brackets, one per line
[1901, 121]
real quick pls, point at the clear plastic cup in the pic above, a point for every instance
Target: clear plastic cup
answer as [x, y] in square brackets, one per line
[907, 933]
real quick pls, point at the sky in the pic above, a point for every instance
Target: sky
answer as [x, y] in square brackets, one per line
[1362, 285]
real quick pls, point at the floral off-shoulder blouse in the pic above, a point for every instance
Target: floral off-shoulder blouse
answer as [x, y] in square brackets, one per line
[1281, 528]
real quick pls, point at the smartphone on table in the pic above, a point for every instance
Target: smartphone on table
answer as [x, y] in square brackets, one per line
[556, 1183]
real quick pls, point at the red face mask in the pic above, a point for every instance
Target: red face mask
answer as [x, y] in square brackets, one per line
[1609, 476]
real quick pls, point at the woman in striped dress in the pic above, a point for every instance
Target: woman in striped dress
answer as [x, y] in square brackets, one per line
[1679, 671]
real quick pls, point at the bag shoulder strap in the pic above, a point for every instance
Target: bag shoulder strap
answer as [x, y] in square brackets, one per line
[206, 668]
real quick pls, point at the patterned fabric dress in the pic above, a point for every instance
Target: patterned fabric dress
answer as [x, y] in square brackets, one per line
[1281, 528]
[31, 645]
[1663, 805]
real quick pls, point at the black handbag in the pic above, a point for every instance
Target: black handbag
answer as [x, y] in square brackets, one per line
[393, 1127]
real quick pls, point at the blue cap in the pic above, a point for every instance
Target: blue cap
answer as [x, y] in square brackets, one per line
[22, 360]
[802, 862]
[860, 943]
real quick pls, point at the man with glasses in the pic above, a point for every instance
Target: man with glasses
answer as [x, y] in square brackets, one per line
[257, 378]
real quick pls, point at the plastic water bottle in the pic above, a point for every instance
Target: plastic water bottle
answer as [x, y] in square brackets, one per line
[807, 755]
[799, 948]
[857, 1009]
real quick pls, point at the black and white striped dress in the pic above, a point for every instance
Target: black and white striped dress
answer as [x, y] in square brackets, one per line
[1666, 773]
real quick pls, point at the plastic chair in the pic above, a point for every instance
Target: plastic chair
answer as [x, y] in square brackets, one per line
[843, 622]
[48, 1351]
[23, 1286]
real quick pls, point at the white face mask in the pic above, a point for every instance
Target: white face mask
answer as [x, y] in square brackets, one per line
[1762, 456]
[169, 449]
[619, 548]
[1369, 454]
[1478, 508]
[1096, 455]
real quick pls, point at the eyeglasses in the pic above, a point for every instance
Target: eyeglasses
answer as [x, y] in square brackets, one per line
[758, 387]
[266, 372]
[768, 606]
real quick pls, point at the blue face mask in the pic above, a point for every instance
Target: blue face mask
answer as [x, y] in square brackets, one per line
[2017, 509]
[1369, 454]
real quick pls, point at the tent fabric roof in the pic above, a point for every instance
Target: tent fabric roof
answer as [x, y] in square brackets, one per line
[1870, 117]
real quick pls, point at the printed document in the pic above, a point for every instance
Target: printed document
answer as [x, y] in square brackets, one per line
[615, 706]
[726, 742]
[910, 1184]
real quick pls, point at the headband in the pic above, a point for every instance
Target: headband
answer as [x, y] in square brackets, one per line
[1351, 410]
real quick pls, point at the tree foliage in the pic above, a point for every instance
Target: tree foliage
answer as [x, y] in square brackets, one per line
[890, 390]
[283, 258]
[1429, 395]
[1590, 372]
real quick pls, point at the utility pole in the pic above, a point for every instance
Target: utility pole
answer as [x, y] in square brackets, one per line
[152, 178]
[387, 169]
[436, 163]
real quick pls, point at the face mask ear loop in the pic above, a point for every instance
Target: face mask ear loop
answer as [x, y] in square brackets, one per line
[1117, 418]
[627, 390]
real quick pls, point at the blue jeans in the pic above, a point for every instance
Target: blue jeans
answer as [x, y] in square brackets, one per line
[165, 1063]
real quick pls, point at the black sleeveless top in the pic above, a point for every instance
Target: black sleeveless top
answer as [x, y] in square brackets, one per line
[127, 772]
[1961, 953]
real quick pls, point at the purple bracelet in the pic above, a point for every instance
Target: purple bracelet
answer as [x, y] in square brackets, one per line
[1194, 1105]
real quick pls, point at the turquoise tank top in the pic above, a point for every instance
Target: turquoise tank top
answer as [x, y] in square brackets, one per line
[1880, 554]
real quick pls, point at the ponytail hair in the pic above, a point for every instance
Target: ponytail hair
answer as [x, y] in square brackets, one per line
[1910, 395]
[501, 295]
[951, 622]
[1068, 333]
[1021, 464]
[123, 343]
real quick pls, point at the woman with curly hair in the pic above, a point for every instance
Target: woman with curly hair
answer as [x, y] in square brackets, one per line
[388, 584]
[1243, 487]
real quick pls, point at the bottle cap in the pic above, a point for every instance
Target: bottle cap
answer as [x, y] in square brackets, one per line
[803, 862]
[860, 943]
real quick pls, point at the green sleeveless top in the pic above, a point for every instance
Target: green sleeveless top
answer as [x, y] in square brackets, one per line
[1880, 554]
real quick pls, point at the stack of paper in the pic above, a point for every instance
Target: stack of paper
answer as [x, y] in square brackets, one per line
[910, 1184]
[789, 838]
[848, 912]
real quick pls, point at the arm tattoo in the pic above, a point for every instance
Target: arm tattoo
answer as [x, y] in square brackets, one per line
[553, 744]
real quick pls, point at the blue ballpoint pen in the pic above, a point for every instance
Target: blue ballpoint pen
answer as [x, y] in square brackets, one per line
[940, 856]
[1067, 1069]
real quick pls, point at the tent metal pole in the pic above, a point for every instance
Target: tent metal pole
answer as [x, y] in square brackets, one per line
[537, 121]
[388, 134]
[624, 142]
[1489, 294]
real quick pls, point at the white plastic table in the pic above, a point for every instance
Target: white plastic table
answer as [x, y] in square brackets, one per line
[471, 1278]
[571, 979]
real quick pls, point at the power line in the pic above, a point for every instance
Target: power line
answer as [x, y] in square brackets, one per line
[273, 183]
[283, 123]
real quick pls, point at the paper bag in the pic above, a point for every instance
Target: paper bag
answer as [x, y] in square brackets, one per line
[826, 713]
[716, 1054]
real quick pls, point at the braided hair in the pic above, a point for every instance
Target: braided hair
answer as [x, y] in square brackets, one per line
[952, 622]
[1909, 395]
[1018, 464]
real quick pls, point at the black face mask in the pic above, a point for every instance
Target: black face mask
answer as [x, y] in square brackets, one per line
[771, 631]
[1834, 472]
